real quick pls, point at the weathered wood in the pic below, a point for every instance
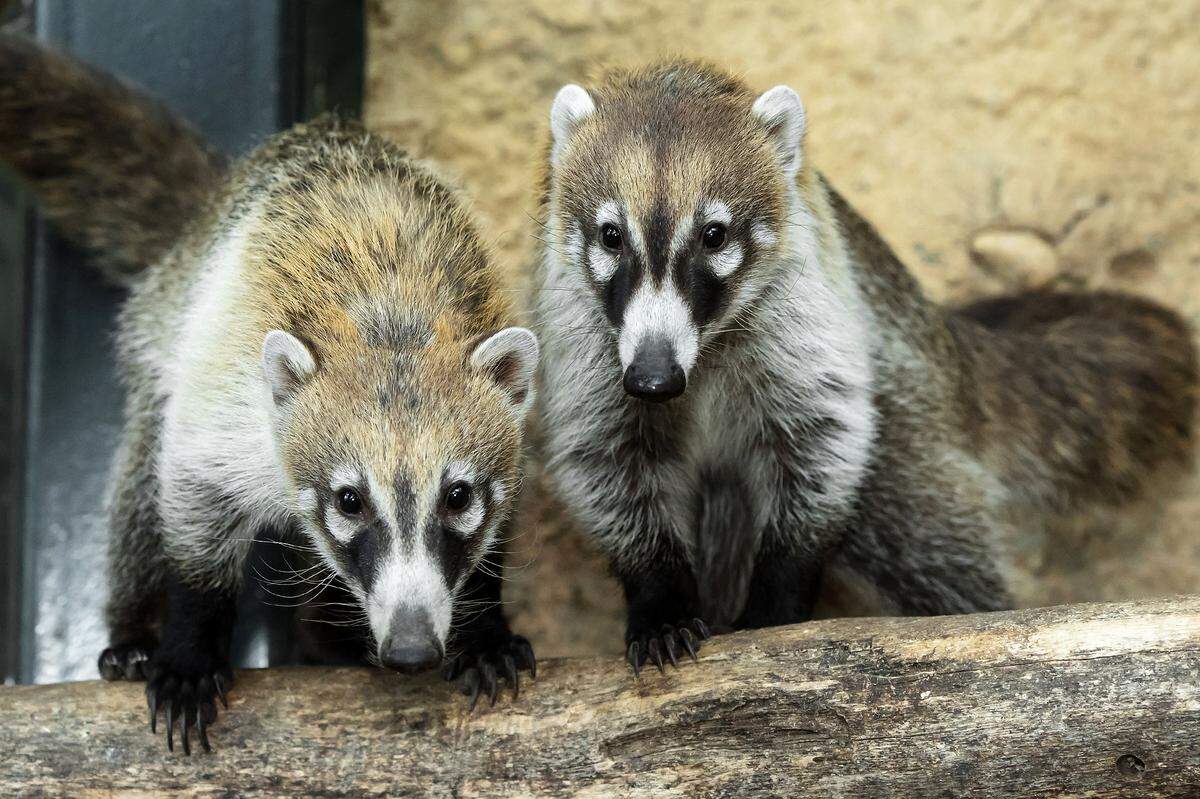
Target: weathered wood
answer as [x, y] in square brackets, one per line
[1086, 700]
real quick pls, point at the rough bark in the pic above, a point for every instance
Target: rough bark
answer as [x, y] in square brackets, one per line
[1085, 700]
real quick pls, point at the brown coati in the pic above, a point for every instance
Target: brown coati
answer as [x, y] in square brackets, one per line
[315, 338]
[825, 419]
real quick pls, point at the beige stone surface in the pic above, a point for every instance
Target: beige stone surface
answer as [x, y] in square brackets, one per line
[995, 145]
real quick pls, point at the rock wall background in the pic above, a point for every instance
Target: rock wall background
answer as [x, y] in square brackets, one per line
[995, 145]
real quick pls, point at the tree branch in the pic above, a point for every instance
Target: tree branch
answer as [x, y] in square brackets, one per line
[1095, 700]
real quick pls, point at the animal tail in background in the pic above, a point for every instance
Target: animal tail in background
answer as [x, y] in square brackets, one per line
[118, 174]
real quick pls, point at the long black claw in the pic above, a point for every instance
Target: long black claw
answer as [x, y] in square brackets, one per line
[171, 727]
[191, 714]
[489, 680]
[527, 651]
[702, 628]
[152, 703]
[202, 729]
[472, 688]
[689, 643]
[219, 684]
[655, 654]
[512, 675]
[632, 655]
[668, 640]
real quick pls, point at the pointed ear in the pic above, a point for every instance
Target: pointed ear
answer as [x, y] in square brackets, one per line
[782, 114]
[510, 358]
[287, 363]
[572, 105]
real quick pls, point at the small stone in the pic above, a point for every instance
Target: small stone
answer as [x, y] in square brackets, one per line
[1021, 258]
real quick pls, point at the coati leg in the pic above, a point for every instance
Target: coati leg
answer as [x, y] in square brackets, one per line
[190, 670]
[663, 606]
[923, 552]
[747, 580]
[206, 545]
[726, 546]
[135, 558]
[784, 588]
[485, 647]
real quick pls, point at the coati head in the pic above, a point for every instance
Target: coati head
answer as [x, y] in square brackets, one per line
[669, 190]
[398, 397]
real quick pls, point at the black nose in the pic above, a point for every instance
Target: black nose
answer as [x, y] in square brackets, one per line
[411, 648]
[654, 374]
[410, 656]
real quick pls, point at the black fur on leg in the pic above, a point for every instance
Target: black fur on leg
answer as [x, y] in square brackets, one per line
[784, 588]
[663, 609]
[726, 545]
[136, 567]
[190, 670]
[486, 650]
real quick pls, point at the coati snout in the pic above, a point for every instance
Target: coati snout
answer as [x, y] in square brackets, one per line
[412, 646]
[655, 374]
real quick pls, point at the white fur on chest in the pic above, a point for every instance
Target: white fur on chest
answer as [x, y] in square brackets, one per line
[791, 399]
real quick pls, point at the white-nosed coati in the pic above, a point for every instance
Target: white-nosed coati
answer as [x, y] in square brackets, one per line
[824, 417]
[315, 338]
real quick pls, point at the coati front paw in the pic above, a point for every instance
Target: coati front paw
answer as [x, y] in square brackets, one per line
[479, 669]
[125, 662]
[187, 698]
[669, 639]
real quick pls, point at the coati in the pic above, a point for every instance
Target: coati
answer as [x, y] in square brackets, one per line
[314, 338]
[743, 390]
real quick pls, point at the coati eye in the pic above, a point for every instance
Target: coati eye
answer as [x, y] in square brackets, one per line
[458, 497]
[348, 502]
[713, 236]
[610, 236]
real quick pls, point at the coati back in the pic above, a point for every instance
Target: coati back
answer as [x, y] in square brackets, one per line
[745, 391]
[318, 341]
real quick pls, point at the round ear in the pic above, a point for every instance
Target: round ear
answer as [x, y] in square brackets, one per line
[287, 363]
[572, 105]
[782, 114]
[510, 358]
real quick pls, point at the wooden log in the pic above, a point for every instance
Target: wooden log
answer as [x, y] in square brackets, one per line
[1084, 700]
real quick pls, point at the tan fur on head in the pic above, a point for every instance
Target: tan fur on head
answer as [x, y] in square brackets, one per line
[671, 133]
[378, 270]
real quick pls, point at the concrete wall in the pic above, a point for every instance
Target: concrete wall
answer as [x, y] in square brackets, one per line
[995, 145]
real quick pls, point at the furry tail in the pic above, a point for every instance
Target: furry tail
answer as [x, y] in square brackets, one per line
[117, 173]
[1085, 394]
